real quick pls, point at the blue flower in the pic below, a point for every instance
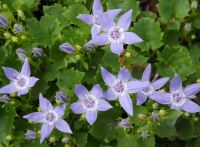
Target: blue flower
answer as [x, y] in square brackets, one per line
[116, 34]
[120, 87]
[179, 97]
[50, 117]
[98, 15]
[19, 82]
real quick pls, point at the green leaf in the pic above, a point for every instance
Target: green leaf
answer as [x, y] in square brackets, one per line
[111, 60]
[147, 142]
[44, 31]
[175, 59]
[34, 143]
[150, 32]
[7, 114]
[172, 115]
[126, 141]
[73, 11]
[81, 139]
[186, 129]
[103, 128]
[125, 5]
[68, 78]
[50, 72]
[170, 9]
[26, 5]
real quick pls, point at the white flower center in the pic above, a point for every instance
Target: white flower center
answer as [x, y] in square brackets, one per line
[97, 20]
[178, 98]
[116, 35]
[119, 87]
[51, 117]
[148, 90]
[21, 82]
[90, 102]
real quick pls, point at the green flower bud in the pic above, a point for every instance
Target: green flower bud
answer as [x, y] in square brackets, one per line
[7, 34]
[14, 39]
[141, 116]
[9, 137]
[162, 112]
[52, 139]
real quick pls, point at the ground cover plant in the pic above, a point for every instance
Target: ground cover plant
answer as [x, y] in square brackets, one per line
[99, 73]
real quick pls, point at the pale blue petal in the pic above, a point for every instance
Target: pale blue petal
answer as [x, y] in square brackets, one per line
[45, 104]
[77, 108]
[101, 39]
[10, 73]
[10, 88]
[176, 83]
[126, 103]
[26, 68]
[192, 89]
[86, 18]
[124, 74]
[60, 109]
[63, 126]
[91, 116]
[125, 20]
[81, 91]
[190, 107]
[103, 105]
[131, 38]
[147, 73]
[136, 86]
[161, 97]
[97, 8]
[108, 78]
[117, 48]
[141, 98]
[97, 91]
[32, 81]
[35, 117]
[159, 83]
[45, 131]
[110, 95]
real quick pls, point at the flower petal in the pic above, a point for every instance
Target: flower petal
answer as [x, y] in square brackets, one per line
[45, 131]
[97, 8]
[126, 102]
[63, 126]
[124, 74]
[131, 38]
[103, 105]
[101, 39]
[161, 97]
[136, 86]
[125, 20]
[26, 68]
[22, 92]
[147, 73]
[81, 91]
[117, 48]
[95, 30]
[176, 83]
[32, 81]
[110, 95]
[192, 89]
[45, 104]
[91, 116]
[10, 73]
[10, 88]
[77, 108]
[97, 91]
[191, 107]
[60, 109]
[108, 78]
[141, 98]
[112, 13]
[86, 18]
[159, 83]
[35, 117]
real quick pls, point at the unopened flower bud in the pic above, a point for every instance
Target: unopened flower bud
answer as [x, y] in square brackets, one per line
[30, 135]
[3, 21]
[162, 112]
[144, 134]
[155, 106]
[18, 28]
[155, 116]
[196, 119]
[78, 57]
[37, 52]
[124, 123]
[21, 14]
[21, 54]
[186, 114]
[187, 27]
[88, 46]
[67, 48]
[7, 34]
[4, 99]
[5, 6]
[60, 96]
[65, 140]
[141, 116]
[23, 37]
[14, 39]
[194, 4]
[8, 137]
[128, 54]
[78, 47]
[52, 139]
